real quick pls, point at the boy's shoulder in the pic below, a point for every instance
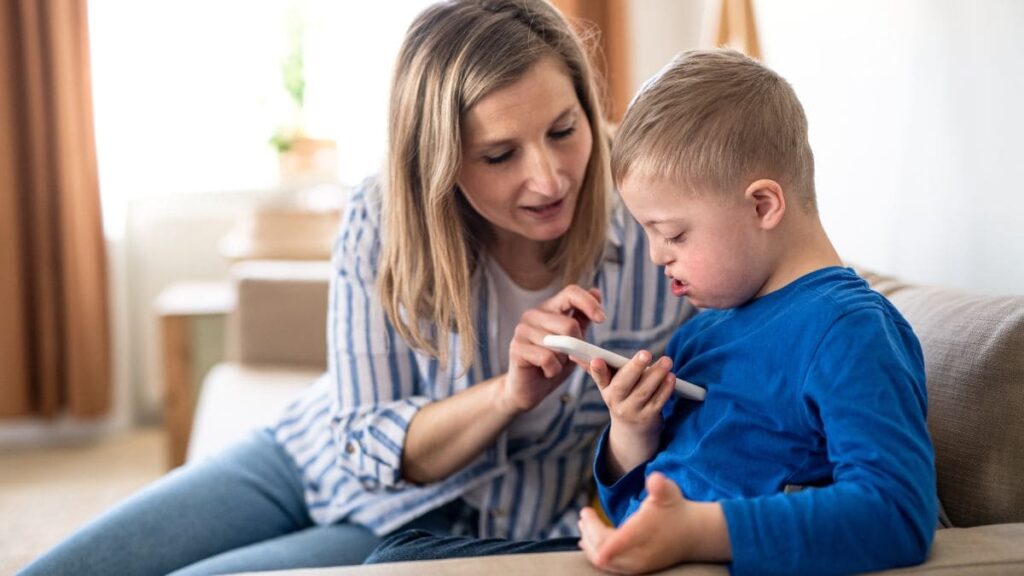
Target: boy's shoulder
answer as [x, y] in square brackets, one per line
[838, 291]
[810, 304]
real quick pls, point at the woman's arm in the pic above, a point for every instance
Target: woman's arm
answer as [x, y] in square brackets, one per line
[446, 435]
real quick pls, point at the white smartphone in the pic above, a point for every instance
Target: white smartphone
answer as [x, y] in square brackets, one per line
[586, 352]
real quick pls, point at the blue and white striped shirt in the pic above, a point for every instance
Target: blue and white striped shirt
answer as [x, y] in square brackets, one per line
[346, 433]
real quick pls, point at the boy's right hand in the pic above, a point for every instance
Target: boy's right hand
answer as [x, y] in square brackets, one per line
[635, 395]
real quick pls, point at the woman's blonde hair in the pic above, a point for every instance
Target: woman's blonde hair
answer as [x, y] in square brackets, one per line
[454, 54]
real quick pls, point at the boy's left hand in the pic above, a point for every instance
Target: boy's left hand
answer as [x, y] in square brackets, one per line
[667, 529]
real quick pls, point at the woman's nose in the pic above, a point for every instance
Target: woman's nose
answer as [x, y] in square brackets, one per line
[543, 173]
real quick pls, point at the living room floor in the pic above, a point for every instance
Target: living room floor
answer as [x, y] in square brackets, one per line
[46, 493]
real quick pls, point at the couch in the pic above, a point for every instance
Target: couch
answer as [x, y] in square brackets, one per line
[974, 357]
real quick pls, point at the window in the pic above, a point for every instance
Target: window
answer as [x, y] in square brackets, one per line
[188, 93]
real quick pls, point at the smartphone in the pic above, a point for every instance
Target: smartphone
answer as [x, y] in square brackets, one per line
[586, 352]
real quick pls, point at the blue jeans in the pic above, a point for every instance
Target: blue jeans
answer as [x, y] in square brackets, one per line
[410, 545]
[242, 511]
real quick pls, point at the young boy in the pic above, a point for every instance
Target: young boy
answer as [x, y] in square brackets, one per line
[813, 380]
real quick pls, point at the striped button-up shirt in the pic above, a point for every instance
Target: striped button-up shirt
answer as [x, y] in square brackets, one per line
[346, 433]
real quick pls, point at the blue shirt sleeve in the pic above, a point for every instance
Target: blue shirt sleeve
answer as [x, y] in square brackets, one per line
[616, 495]
[865, 393]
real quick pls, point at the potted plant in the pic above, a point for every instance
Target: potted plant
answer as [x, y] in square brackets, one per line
[300, 157]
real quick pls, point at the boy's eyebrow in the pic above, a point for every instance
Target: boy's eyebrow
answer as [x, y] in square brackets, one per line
[656, 221]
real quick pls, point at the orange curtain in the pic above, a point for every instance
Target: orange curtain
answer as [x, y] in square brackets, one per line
[54, 334]
[611, 55]
[736, 27]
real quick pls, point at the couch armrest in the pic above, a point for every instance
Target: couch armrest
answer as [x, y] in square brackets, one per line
[281, 312]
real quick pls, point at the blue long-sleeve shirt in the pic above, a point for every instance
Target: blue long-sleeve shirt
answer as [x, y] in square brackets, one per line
[820, 383]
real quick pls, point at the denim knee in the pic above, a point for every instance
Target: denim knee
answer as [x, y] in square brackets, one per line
[400, 547]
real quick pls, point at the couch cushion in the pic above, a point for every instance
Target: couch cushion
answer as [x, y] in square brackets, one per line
[982, 550]
[974, 358]
[236, 399]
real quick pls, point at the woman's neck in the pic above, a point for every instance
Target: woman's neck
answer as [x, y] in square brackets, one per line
[524, 262]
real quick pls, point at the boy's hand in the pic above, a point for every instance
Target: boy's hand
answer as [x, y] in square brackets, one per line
[667, 529]
[635, 395]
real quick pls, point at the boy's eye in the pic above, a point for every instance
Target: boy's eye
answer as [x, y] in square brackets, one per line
[563, 133]
[499, 158]
[676, 239]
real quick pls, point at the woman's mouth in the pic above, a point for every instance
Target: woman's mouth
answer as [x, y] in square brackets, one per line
[545, 211]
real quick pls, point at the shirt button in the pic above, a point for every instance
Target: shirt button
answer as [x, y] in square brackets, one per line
[370, 484]
[350, 447]
[566, 398]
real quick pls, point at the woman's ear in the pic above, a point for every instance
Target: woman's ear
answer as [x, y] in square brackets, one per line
[768, 200]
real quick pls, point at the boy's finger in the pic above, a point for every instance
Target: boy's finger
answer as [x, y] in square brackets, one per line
[600, 373]
[668, 385]
[580, 363]
[627, 377]
[650, 383]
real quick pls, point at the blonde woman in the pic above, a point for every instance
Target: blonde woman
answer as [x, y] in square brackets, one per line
[491, 228]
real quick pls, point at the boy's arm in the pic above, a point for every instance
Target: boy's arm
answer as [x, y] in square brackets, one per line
[635, 395]
[865, 392]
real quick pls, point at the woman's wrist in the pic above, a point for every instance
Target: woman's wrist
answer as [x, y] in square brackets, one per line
[503, 401]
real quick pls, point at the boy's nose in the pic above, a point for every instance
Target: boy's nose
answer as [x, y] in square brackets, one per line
[659, 255]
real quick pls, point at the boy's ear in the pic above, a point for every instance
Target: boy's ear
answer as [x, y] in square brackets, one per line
[768, 200]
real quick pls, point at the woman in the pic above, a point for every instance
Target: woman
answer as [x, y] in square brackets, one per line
[440, 409]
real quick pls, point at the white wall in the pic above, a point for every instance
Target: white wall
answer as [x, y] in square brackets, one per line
[659, 30]
[169, 239]
[916, 122]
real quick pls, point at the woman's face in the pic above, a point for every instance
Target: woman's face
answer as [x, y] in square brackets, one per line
[525, 150]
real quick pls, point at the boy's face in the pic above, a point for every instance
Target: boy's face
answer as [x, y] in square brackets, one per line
[713, 249]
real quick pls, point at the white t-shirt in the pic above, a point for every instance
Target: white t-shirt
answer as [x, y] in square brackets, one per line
[513, 301]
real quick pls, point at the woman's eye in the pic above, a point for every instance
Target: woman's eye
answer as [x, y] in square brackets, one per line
[499, 158]
[564, 133]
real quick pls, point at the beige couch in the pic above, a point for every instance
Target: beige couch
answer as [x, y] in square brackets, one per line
[974, 355]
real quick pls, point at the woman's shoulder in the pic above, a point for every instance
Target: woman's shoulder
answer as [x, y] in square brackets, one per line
[359, 228]
[363, 201]
[621, 223]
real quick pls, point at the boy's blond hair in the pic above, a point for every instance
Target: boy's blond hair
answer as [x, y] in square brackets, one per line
[713, 121]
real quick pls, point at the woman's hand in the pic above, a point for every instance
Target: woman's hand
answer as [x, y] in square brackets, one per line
[635, 395]
[534, 370]
[667, 529]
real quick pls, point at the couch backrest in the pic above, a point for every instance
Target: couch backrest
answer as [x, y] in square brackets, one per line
[974, 357]
[280, 318]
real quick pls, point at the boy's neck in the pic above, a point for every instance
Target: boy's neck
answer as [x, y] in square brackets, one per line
[804, 247]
